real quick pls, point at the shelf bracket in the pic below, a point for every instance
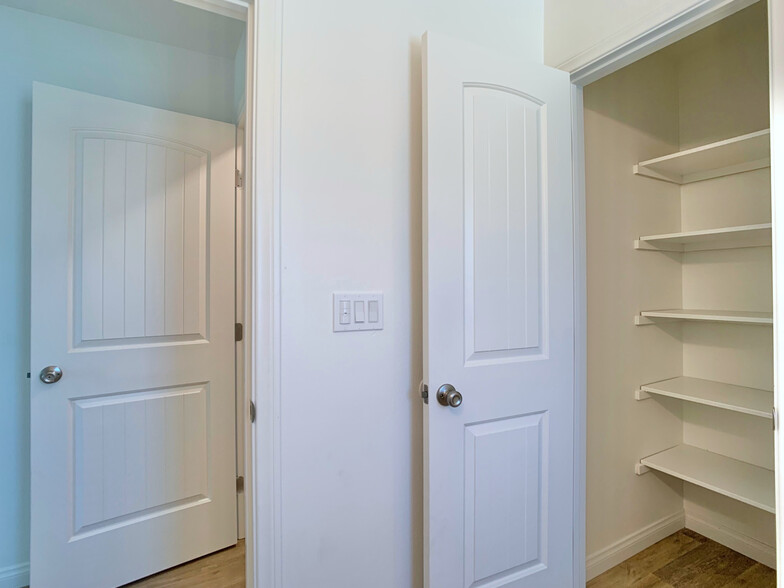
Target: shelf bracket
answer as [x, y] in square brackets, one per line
[640, 469]
[642, 245]
[641, 395]
[641, 321]
[641, 170]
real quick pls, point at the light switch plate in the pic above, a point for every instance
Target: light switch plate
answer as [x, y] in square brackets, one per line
[353, 325]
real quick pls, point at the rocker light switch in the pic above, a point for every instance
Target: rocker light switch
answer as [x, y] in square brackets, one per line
[345, 312]
[372, 311]
[357, 311]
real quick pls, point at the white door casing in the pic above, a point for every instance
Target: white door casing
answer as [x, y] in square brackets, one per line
[776, 32]
[498, 263]
[239, 315]
[132, 295]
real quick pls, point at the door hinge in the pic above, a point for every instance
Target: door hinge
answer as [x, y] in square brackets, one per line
[238, 331]
[423, 392]
[240, 484]
[252, 412]
[237, 178]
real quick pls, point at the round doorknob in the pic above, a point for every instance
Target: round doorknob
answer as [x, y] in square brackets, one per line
[448, 396]
[51, 374]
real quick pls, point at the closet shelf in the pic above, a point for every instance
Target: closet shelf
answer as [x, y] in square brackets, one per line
[723, 238]
[737, 479]
[727, 396]
[723, 158]
[649, 317]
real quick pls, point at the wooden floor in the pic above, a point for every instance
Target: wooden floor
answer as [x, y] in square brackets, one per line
[687, 560]
[224, 569]
[682, 560]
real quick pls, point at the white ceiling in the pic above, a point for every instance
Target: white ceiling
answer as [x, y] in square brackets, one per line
[162, 21]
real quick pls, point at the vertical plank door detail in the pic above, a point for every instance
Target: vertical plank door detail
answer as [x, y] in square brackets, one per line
[503, 281]
[140, 240]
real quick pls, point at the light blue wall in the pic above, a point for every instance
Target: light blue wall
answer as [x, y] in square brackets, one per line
[240, 61]
[38, 48]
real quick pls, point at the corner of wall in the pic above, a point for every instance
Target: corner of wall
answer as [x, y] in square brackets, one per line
[604, 559]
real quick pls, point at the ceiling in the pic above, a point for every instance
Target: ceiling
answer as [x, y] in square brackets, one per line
[161, 21]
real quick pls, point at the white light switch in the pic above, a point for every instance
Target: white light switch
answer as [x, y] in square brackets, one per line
[372, 311]
[358, 311]
[345, 312]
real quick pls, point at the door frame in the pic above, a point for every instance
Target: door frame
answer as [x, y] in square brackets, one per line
[261, 312]
[263, 536]
[683, 24]
[776, 49]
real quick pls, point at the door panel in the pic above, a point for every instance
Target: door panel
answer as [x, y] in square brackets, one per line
[140, 239]
[498, 320]
[132, 451]
[502, 248]
[503, 529]
[138, 452]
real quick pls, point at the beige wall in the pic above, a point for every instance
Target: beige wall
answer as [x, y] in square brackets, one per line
[578, 31]
[629, 115]
[723, 92]
[710, 86]
[723, 85]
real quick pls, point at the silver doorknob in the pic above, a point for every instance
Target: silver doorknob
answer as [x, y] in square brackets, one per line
[448, 396]
[51, 374]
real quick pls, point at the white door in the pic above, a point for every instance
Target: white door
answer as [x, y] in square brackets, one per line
[498, 320]
[133, 298]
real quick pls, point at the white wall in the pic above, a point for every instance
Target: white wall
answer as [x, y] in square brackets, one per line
[39, 48]
[579, 31]
[351, 220]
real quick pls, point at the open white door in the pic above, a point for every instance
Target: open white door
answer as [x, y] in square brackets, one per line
[133, 465]
[498, 320]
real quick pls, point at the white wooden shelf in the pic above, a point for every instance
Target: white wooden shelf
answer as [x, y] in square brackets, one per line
[723, 238]
[723, 158]
[727, 396]
[649, 317]
[742, 481]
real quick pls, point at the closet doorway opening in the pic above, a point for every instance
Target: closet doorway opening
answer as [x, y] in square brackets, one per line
[679, 311]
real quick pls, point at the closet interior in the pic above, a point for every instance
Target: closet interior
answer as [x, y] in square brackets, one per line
[680, 344]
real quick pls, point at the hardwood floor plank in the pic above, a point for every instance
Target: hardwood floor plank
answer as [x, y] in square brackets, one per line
[710, 565]
[758, 576]
[687, 560]
[223, 569]
[639, 566]
[651, 581]
[694, 535]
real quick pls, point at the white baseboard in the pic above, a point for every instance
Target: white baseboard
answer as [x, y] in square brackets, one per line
[604, 559]
[15, 576]
[748, 546]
